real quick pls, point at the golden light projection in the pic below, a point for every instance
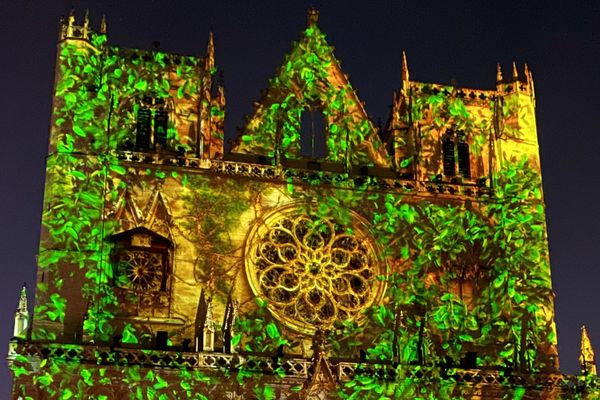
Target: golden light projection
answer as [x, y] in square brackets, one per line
[313, 271]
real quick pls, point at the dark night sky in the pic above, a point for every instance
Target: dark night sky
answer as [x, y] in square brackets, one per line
[445, 41]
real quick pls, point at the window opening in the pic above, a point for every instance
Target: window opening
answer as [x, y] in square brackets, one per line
[142, 137]
[464, 161]
[161, 120]
[448, 156]
[456, 158]
[312, 134]
[152, 125]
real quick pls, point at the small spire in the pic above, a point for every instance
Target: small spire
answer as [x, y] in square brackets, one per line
[498, 74]
[23, 299]
[405, 75]
[528, 77]
[71, 18]
[208, 342]
[103, 25]
[21, 315]
[209, 61]
[587, 358]
[515, 73]
[312, 16]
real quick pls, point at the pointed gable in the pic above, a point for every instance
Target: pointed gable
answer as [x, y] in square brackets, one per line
[311, 81]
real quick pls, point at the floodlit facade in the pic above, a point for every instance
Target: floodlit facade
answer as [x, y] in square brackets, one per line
[321, 257]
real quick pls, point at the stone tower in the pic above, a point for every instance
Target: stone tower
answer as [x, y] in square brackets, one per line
[320, 258]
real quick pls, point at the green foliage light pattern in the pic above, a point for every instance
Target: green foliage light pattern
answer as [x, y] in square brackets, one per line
[433, 243]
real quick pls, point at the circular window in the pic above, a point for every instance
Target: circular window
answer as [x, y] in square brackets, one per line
[312, 271]
[144, 269]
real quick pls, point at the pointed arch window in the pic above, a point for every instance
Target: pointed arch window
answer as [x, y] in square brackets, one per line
[456, 157]
[312, 133]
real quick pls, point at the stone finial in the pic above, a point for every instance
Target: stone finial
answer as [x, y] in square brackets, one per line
[498, 74]
[86, 24]
[103, 25]
[71, 18]
[515, 72]
[312, 16]
[405, 74]
[587, 358]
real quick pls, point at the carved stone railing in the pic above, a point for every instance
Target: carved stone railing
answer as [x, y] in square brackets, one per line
[282, 174]
[293, 367]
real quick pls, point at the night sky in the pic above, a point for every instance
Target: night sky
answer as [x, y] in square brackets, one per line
[445, 41]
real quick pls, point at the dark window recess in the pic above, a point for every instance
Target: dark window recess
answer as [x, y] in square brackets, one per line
[448, 156]
[464, 161]
[144, 122]
[312, 134]
[161, 122]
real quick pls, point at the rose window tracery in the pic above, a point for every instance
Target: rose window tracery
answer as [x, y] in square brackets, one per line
[143, 269]
[313, 271]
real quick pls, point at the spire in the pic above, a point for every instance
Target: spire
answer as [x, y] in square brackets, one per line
[209, 61]
[103, 25]
[208, 342]
[529, 80]
[515, 73]
[405, 75]
[498, 74]
[21, 315]
[312, 16]
[587, 358]
[321, 380]
[228, 328]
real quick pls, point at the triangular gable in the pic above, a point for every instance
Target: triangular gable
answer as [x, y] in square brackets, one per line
[155, 215]
[311, 78]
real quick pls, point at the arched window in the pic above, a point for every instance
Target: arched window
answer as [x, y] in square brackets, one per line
[312, 134]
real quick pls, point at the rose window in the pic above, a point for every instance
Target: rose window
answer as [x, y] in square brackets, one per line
[144, 269]
[313, 271]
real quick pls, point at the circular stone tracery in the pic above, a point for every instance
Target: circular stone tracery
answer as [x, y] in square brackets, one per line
[312, 271]
[144, 269]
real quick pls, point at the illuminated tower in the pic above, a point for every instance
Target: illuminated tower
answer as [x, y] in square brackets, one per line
[320, 258]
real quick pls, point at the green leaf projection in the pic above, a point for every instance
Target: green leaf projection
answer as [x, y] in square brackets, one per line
[311, 80]
[409, 263]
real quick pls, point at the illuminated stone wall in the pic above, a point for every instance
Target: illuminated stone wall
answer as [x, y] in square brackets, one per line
[418, 254]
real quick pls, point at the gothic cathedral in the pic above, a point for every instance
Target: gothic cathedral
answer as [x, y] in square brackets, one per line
[319, 257]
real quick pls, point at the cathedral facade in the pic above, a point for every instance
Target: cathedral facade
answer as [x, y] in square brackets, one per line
[320, 257]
